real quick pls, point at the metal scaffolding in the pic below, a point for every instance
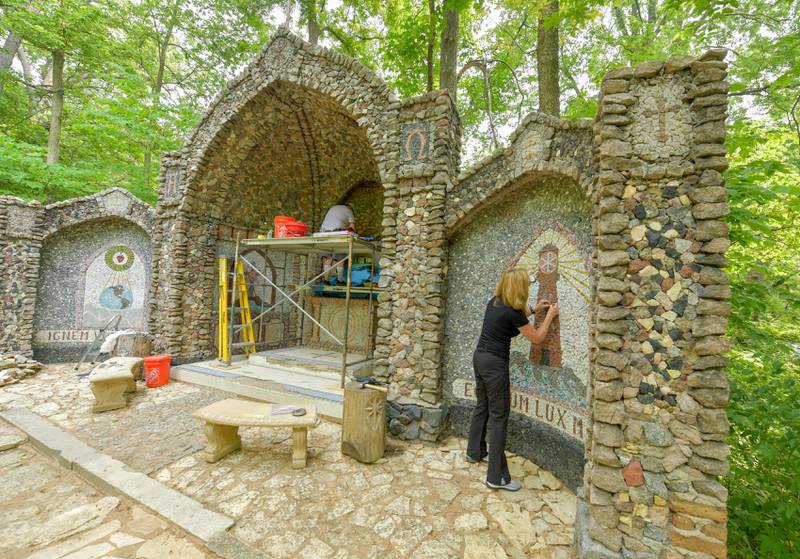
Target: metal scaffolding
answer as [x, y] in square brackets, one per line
[309, 247]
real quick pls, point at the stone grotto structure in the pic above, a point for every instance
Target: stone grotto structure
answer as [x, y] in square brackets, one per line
[617, 218]
[70, 267]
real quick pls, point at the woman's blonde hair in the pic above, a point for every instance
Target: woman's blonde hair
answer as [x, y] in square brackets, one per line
[512, 289]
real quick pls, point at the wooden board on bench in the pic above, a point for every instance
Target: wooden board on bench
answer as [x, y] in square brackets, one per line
[224, 418]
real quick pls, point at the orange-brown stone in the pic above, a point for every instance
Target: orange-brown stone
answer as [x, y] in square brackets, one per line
[717, 514]
[699, 544]
[682, 522]
[718, 531]
[633, 474]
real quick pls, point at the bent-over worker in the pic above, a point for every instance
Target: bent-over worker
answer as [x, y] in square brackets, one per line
[338, 218]
[506, 316]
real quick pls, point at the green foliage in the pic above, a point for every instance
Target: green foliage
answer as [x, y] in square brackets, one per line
[764, 189]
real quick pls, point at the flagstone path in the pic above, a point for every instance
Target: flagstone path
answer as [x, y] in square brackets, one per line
[421, 500]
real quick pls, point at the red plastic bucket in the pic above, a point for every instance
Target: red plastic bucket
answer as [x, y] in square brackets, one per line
[281, 221]
[156, 370]
[296, 229]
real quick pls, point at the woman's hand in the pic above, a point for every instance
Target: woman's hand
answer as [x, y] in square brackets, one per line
[552, 311]
[541, 305]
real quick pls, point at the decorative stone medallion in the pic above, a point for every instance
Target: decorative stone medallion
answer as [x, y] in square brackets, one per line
[116, 202]
[416, 141]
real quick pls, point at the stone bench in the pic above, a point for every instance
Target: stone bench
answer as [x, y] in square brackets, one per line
[224, 418]
[112, 379]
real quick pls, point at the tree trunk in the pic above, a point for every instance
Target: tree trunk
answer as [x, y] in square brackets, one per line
[10, 47]
[157, 87]
[547, 62]
[27, 73]
[431, 41]
[57, 112]
[310, 7]
[448, 58]
[288, 7]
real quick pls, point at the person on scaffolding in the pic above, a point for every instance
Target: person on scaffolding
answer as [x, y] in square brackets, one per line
[506, 316]
[339, 219]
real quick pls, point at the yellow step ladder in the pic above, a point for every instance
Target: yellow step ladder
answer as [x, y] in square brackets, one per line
[227, 327]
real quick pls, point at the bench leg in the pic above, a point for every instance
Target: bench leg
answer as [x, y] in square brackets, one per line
[300, 448]
[109, 395]
[222, 440]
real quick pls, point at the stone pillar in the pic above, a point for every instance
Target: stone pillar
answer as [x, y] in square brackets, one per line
[20, 246]
[410, 312]
[166, 312]
[659, 387]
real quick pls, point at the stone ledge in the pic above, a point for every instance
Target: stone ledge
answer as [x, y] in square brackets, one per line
[113, 476]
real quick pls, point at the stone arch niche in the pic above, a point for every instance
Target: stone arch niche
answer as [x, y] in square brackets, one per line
[301, 129]
[528, 206]
[90, 272]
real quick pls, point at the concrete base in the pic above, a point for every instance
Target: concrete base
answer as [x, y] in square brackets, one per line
[222, 440]
[235, 381]
[300, 447]
[109, 394]
[539, 443]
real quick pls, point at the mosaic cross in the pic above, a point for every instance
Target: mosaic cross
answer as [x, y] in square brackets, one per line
[662, 110]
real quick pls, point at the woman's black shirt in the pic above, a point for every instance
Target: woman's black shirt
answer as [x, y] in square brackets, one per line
[500, 324]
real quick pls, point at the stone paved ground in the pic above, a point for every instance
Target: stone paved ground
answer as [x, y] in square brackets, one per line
[47, 512]
[421, 500]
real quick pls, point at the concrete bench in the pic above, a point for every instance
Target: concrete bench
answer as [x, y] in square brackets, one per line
[112, 379]
[224, 418]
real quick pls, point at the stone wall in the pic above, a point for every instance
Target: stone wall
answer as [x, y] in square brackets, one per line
[411, 309]
[503, 212]
[542, 146]
[90, 273]
[648, 174]
[27, 233]
[659, 390]
[20, 243]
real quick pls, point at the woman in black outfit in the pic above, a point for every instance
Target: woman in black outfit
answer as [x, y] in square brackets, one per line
[506, 316]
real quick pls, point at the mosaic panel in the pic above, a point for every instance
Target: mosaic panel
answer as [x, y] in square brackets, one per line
[115, 283]
[546, 228]
[90, 273]
[557, 368]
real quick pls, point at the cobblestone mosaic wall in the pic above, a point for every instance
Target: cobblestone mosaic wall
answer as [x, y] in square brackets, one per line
[659, 390]
[291, 135]
[90, 273]
[25, 227]
[650, 167]
[20, 242]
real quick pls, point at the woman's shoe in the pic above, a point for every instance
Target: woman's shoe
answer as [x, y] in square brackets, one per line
[511, 485]
[473, 461]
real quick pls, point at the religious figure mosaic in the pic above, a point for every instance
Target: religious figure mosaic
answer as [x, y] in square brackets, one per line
[558, 368]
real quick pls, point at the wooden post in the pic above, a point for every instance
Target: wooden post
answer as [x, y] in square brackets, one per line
[364, 423]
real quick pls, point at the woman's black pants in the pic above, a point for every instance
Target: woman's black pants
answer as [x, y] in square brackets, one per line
[493, 391]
